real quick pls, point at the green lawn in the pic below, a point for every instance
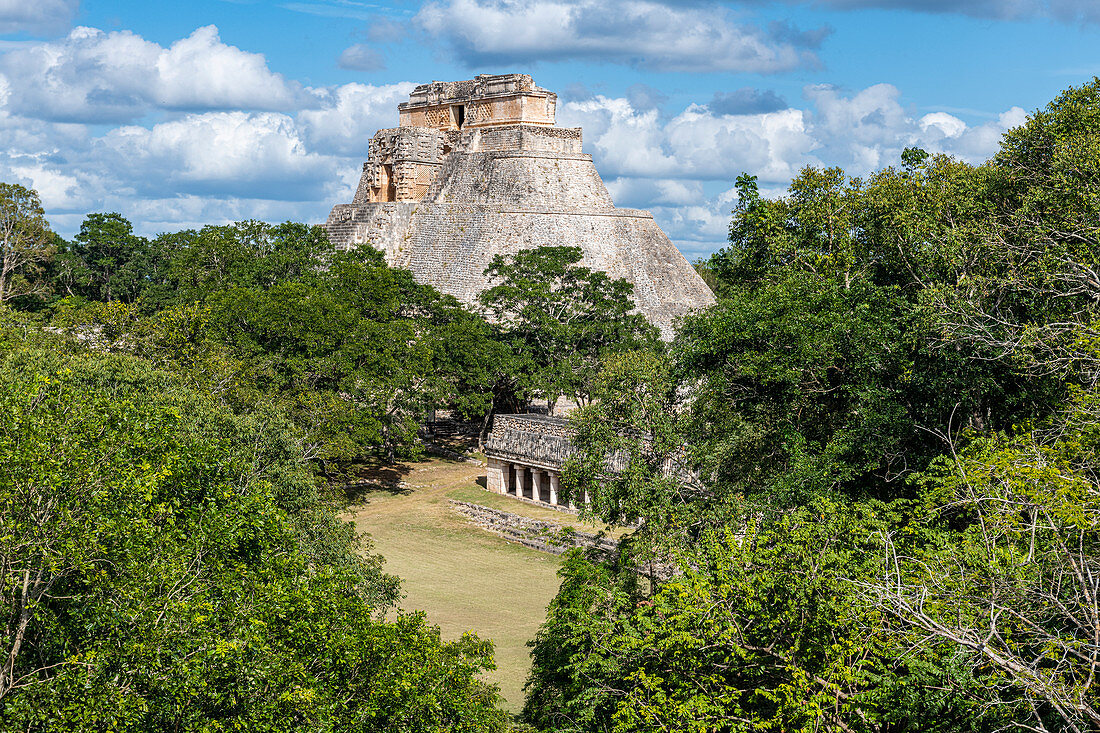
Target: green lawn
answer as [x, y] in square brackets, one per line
[465, 578]
[478, 495]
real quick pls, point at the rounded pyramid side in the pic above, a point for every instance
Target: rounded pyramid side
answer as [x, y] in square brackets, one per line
[452, 244]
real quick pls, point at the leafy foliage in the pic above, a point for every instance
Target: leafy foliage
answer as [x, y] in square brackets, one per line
[171, 565]
[108, 262]
[167, 564]
[168, 559]
[732, 643]
[25, 242]
[353, 351]
[562, 317]
[884, 438]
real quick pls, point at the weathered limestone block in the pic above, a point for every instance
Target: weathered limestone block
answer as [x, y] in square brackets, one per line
[494, 476]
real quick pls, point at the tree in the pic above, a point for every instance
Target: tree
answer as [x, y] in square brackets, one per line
[26, 242]
[913, 158]
[630, 454]
[890, 424]
[798, 391]
[166, 564]
[1017, 584]
[355, 352]
[760, 627]
[564, 317]
[191, 265]
[825, 365]
[112, 261]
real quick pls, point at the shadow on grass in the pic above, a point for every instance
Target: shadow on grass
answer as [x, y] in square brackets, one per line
[369, 478]
[482, 481]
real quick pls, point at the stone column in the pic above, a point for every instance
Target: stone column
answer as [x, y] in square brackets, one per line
[536, 484]
[587, 500]
[494, 475]
[555, 477]
[521, 479]
[505, 476]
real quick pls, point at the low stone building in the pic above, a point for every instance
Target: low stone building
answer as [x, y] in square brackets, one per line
[525, 455]
[477, 168]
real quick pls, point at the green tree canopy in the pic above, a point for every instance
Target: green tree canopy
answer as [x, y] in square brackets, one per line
[109, 261]
[888, 425]
[168, 565]
[563, 317]
[26, 242]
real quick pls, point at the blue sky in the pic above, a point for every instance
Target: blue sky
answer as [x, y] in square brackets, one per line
[178, 114]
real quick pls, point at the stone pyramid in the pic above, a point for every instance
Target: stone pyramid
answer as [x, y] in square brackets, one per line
[477, 168]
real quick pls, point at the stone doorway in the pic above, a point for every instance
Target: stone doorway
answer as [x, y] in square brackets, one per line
[389, 185]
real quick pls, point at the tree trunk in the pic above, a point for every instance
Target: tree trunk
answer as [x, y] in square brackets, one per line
[483, 434]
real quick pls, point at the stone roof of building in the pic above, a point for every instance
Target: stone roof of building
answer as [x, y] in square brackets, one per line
[480, 87]
[546, 442]
[533, 440]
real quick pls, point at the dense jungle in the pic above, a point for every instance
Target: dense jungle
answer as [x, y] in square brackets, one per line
[871, 469]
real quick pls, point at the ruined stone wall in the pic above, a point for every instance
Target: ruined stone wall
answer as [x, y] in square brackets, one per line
[533, 533]
[482, 85]
[511, 110]
[532, 440]
[414, 179]
[450, 245]
[522, 137]
[623, 244]
[386, 227]
[401, 165]
[534, 181]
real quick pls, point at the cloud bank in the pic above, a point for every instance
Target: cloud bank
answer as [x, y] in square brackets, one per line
[93, 76]
[664, 163]
[203, 132]
[644, 34]
[1066, 11]
[36, 16]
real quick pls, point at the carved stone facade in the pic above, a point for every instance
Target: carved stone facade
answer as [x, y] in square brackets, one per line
[476, 169]
[525, 455]
[401, 164]
[484, 101]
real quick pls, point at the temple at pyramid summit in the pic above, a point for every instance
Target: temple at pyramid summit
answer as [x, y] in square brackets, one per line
[477, 168]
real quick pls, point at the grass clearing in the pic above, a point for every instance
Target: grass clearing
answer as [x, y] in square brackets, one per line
[465, 578]
[478, 495]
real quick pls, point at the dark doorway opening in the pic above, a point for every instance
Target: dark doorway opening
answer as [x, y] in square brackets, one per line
[460, 116]
[389, 186]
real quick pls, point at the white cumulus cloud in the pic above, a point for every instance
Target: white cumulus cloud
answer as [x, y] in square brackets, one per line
[36, 16]
[695, 144]
[349, 115]
[94, 76]
[948, 125]
[706, 145]
[261, 154]
[200, 168]
[640, 33]
[669, 163]
[199, 131]
[202, 72]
